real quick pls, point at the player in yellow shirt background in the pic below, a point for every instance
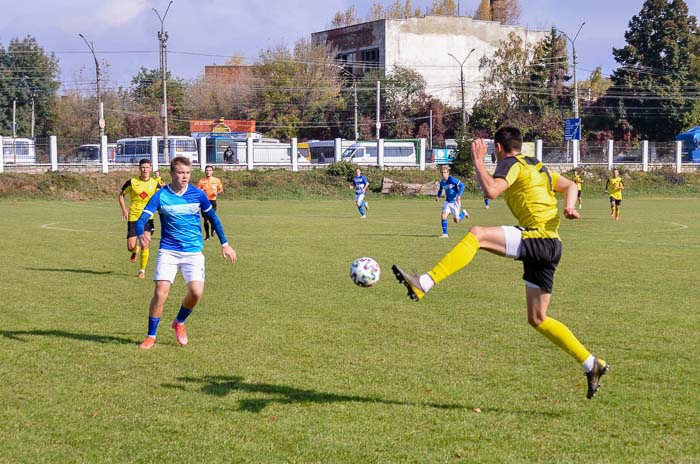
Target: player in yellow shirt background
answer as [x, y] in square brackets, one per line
[139, 190]
[614, 188]
[213, 187]
[528, 188]
[578, 180]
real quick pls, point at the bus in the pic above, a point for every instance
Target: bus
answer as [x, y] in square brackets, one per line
[394, 153]
[134, 149]
[690, 144]
[18, 151]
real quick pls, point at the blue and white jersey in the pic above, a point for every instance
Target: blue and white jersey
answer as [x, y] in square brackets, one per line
[360, 182]
[179, 218]
[453, 188]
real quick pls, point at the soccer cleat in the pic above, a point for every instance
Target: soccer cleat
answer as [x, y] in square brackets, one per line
[133, 257]
[148, 343]
[366, 206]
[593, 377]
[444, 236]
[466, 215]
[213, 233]
[410, 281]
[206, 238]
[180, 332]
[486, 207]
[363, 217]
[141, 274]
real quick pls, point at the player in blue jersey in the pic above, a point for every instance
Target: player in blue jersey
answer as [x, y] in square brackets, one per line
[179, 205]
[360, 183]
[453, 188]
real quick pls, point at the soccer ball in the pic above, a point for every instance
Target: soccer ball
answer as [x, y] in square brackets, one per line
[364, 272]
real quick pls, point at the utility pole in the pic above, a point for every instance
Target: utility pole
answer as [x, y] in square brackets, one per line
[32, 134]
[379, 123]
[573, 52]
[163, 38]
[431, 129]
[461, 81]
[354, 88]
[14, 119]
[100, 115]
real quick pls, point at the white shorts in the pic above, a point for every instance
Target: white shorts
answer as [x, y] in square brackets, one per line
[359, 197]
[514, 240]
[452, 207]
[169, 262]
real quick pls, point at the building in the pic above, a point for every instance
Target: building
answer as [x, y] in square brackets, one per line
[424, 44]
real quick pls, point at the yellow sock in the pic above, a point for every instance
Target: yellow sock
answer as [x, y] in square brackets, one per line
[456, 259]
[560, 335]
[144, 258]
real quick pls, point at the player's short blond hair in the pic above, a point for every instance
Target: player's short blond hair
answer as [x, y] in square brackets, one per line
[180, 160]
[444, 168]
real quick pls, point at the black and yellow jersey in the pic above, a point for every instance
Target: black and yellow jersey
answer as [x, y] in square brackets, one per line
[615, 186]
[530, 195]
[139, 192]
[578, 181]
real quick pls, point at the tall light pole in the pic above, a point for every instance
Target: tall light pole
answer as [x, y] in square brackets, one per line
[100, 116]
[354, 90]
[163, 38]
[573, 52]
[461, 81]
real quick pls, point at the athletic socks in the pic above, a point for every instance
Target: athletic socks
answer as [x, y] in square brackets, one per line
[183, 314]
[144, 258]
[444, 226]
[361, 209]
[462, 215]
[560, 335]
[153, 326]
[456, 259]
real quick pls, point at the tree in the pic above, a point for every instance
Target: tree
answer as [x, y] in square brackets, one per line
[344, 18]
[502, 11]
[147, 95]
[596, 85]
[483, 11]
[443, 8]
[26, 73]
[654, 79]
[548, 73]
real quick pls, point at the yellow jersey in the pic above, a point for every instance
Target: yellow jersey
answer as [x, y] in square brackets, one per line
[578, 181]
[615, 186]
[530, 195]
[139, 192]
[211, 186]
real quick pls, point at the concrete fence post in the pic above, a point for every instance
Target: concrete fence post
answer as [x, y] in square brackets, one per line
[203, 153]
[574, 148]
[293, 155]
[2, 156]
[645, 155]
[53, 152]
[154, 153]
[380, 153]
[337, 149]
[104, 155]
[611, 151]
[249, 153]
[679, 156]
[421, 155]
[538, 149]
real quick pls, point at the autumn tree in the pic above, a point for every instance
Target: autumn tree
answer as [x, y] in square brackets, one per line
[147, 97]
[502, 11]
[347, 17]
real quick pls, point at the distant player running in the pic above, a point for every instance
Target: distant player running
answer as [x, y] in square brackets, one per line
[528, 188]
[578, 180]
[453, 189]
[213, 188]
[614, 188]
[179, 205]
[360, 184]
[140, 190]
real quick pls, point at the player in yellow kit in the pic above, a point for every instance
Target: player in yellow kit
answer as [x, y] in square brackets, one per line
[578, 180]
[614, 188]
[528, 188]
[140, 190]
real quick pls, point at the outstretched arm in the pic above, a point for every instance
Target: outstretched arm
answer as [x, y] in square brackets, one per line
[570, 192]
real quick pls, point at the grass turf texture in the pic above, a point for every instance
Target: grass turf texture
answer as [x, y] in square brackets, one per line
[290, 362]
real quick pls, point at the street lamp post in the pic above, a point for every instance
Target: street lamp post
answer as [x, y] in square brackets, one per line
[100, 116]
[461, 81]
[163, 38]
[573, 52]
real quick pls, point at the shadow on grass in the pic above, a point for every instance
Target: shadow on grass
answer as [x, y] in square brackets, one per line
[83, 337]
[77, 271]
[402, 235]
[219, 385]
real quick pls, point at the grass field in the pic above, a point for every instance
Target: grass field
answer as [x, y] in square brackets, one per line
[289, 362]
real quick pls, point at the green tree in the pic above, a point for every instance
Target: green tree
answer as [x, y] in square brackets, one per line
[545, 90]
[27, 72]
[654, 78]
[147, 97]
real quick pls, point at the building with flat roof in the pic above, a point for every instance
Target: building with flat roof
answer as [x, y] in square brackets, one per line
[424, 44]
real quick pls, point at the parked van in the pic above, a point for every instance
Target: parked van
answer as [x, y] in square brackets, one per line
[134, 149]
[18, 151]
[90, 152]
[394, 153]
[690, 148]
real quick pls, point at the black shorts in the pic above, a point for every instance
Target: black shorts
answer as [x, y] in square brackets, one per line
[540, 257]
[131, 228]
[579, 194]
[617, 202]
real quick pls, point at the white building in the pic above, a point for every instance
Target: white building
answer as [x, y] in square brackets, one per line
[425, 44]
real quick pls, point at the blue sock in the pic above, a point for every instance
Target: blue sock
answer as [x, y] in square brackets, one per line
[153, 326]
[362, 210]
[444, 226]
[486, 201]
[461, 216]
[183, 314]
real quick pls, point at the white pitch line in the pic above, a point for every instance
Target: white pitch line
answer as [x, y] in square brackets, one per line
[51, 227]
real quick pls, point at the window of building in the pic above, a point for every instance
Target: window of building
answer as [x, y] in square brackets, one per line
[370, 59]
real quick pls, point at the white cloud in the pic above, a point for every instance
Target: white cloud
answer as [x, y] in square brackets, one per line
[119, 12]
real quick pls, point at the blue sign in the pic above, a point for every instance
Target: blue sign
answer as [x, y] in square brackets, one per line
[572, 129]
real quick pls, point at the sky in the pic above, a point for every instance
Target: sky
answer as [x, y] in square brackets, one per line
[205, 32]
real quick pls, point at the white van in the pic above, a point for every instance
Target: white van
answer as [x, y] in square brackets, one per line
[132, 150]
[18, 151]
[403, 153]
[90, 153]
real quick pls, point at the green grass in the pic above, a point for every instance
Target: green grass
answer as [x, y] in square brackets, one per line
[289, 362]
